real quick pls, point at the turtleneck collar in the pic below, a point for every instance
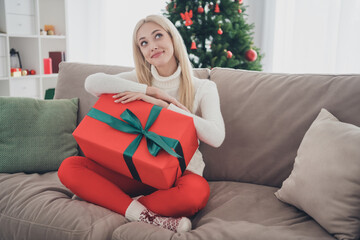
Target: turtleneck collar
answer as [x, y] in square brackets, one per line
[172, 81]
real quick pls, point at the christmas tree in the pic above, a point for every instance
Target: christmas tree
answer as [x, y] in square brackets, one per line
[215, 33]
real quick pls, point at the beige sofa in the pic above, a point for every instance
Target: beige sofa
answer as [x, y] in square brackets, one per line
[266, 116]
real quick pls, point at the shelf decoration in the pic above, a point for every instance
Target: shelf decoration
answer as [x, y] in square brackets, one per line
[57, 57]
[49, 29]
[15, 60]
[48, 66]
[15, 72]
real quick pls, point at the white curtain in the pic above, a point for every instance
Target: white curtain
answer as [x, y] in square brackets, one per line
[307, 36]
[100, 31]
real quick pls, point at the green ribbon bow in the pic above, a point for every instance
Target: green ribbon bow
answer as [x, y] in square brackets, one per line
[132, 124]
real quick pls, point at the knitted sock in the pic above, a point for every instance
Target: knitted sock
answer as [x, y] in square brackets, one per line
[134, 210]
[138, 212]
[137, 197]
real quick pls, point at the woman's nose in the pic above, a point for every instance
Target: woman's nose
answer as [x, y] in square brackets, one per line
[154, 47]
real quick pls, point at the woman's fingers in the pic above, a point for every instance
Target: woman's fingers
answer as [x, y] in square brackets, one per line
[130, 99]
[124, 96]
[118, 95]
[127, 97]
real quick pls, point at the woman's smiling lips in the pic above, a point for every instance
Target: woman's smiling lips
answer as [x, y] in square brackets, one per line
[157, 54]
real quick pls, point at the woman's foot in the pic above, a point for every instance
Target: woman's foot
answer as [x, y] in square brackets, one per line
[181, 224]
[138, 212]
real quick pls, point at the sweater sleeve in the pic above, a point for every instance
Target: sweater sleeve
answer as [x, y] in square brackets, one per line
[100, 83]
[210, 127]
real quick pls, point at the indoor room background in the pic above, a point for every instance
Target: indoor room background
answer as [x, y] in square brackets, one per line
[295, 36]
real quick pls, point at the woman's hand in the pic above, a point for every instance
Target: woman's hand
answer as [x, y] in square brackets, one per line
[126, 97]
[159, 94]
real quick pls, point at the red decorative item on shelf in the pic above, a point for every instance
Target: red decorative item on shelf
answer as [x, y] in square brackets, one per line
[217, 8]
[32, 72]
[220, 31]
[193, 45]
[47, 66]
[200, 9]
[187, 17]
[251, 55]
[15, 72]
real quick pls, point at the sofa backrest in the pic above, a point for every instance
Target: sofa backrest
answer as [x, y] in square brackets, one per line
[71, 79]
[266, 116]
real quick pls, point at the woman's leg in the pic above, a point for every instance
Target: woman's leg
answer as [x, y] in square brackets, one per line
[189, 195]
[97, 184]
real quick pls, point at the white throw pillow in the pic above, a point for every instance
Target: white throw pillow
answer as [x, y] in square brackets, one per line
[325, 180]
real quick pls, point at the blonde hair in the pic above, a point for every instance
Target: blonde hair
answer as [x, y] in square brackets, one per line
[143, 68]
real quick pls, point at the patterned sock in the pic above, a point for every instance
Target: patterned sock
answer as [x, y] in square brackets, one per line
[181, 224]
[134, 210]
[138, 212]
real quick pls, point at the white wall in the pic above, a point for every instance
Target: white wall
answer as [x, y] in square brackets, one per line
[86, 29]
[255, 14]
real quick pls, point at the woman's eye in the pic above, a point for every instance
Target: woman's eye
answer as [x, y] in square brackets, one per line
[143, 43]
[157, 36]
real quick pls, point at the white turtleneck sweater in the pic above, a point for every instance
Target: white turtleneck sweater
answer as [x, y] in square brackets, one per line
[209, 124]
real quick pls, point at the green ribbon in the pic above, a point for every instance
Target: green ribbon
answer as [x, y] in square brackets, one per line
[132, 124]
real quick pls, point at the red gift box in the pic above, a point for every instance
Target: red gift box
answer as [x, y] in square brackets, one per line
[101, 142]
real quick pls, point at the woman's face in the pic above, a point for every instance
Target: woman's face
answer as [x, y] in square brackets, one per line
[156, 46]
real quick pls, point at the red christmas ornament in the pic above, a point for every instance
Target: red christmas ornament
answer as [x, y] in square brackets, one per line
[240, 1]
[32, 72]
[220, 31]
[240, 11]
[200, 9]
[193, 45]
[251, 55]
[217, 9]
[229, 54]
[187, 17]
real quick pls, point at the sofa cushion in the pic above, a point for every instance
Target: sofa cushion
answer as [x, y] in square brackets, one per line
[325, 181]
[34, 207]
[35, 135]
[237, 211]
[72, 77]
[266, 116]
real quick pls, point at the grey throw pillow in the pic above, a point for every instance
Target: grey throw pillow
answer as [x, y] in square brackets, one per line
[36, 135]
[325, 180]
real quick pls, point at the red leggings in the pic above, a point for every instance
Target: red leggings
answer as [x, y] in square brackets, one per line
[97, 184]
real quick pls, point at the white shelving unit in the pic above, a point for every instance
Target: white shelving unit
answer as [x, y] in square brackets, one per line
[20, 24]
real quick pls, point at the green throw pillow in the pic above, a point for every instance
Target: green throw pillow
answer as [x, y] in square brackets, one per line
[36, 135]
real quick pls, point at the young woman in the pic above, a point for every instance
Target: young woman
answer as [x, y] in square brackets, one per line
[163, 76]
